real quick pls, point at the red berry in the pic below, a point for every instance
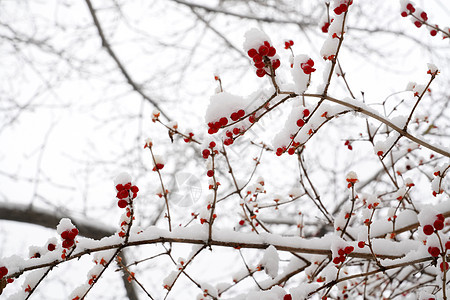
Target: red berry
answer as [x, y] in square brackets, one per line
[350, 147]
[251, 119]
[228, 142]
[134, 189]
[67, 243]
[433, 32]
[336, 260]
[260, 72]
[447, 245]
[65, 235]
[72, 234]
[223, 121]
[440, 217]
[206, 153]
[410, 7]
[122, 194]
[307, 69]
[438, 225]
[119, 187]
[287, 297]
[211, 131]
[325, 27]
[122, 203]
[241, 222]
[212, 144]
[342, 258]
[159, 166]
[51, 247]
[428, 229]
[361, 244]
[310, 62]
[424, 16]
[343, 7]
[434, 251]
[341, 252]
[338, 10]
[306, 113]
[300, 122]
[272, 51]
[241, 113]
[291, 151]
[252, 52]
[286, 45]
[210, 173]
[404, 14]
[257, 58]
[236, 131]
[260, 65]
[263, 50]
[234, 116]
[127, 186]
[349, 249]
[3, 272]
[418, 24]
[267, 44]
[10, 280]
[229, 134]
[276, 64]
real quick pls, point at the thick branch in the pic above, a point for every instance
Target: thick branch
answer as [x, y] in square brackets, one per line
[44, 218]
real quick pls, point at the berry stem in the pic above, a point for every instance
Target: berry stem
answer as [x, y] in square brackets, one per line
[369, 240]
[164, 192]
[351, 211]
[411, 113]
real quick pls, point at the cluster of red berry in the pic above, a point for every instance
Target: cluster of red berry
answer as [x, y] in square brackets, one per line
[158, 166]
[290, 151]
[421, 18]
[124, 192]
[288, 44]
[191, 135]
[435, 251]
[261, 58]
[440, 190]
[326, 25]
[349, 146]
[343, 7]
[206, 152]
[343, 254]
[300, 123]
[125, 223]
[68, 237]
[213, 127]
[351, 182]
[308, 67]
[437, 225]
[287, 297]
